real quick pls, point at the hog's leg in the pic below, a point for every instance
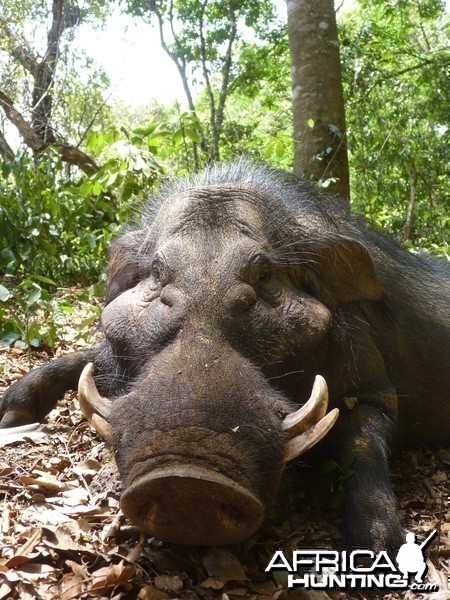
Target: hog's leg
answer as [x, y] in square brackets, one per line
[363, 437]
[34, 395]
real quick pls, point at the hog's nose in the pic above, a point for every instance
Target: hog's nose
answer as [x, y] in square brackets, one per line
[192, 505]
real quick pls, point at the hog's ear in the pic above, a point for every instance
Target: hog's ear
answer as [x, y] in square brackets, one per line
[343, 271]
[123, 264]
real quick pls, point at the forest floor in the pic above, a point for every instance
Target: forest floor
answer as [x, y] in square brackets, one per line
[62, 534]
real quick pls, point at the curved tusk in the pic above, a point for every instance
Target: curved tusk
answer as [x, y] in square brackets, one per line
[102, 427]
[303, 442]
[310, 413]
[96, 408]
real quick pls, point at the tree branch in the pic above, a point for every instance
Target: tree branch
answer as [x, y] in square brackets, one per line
[436, 62]
[226, 70]
[44, 77]
[214, 149]
[30, 137]
[180, 64]
[6, 152]
[18, 52]
[37, 144]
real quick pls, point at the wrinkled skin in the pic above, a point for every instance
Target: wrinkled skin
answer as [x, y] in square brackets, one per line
[222, 307]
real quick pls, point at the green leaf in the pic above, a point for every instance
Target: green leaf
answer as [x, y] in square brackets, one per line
[9, 338]
[25, 284]
[20, 344]
[34, 295]
[44, 279]
[5, 294]
[329, 466]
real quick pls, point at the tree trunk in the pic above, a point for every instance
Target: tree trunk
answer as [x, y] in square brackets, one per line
[226, 68]
[320, 149]
[407, 234]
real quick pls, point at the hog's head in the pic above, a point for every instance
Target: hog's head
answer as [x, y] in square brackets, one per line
[210, 310]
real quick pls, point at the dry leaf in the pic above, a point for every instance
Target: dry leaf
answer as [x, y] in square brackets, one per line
[47, 481]
[22, 433]
[136, 552]
[169, 583]
[148, 592]
[70, 587]
[88, 468]
[80, 571]
[221, 563]
[109, 577]
[33, 538]
[58, 465]
[61, 538]
[44, 515]
[240, 591]
[213, 583]
[35, 572]
[5, 590]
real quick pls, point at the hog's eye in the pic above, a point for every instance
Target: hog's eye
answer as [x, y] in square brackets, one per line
[259, 270]
[310, 288]
[265, 275]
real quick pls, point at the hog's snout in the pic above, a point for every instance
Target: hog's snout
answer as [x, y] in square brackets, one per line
[192, 505]
[199, 446]
[201, 442]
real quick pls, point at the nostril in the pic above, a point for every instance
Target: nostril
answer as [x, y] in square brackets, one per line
[231, 517]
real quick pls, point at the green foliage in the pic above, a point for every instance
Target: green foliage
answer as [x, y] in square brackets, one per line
[336, 475]
[31, 317]
[397, 78]
[59, 224]
[257, 131]
[206, 41]
[180, 132]
[214, 17]
[174, 130]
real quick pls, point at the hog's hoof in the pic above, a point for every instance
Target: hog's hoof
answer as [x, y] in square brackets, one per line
[192, 505]
[378, 534]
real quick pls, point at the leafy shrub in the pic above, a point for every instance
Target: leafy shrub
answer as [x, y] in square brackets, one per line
[58, 224]
[31, 317]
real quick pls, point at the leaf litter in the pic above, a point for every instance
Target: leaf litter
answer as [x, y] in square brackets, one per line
[62, 534]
